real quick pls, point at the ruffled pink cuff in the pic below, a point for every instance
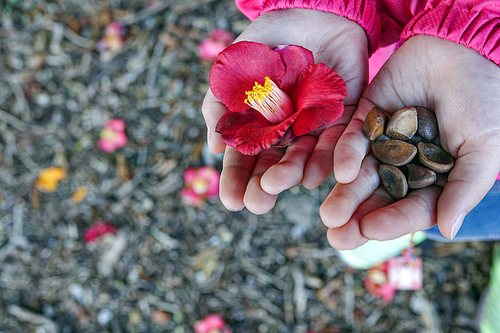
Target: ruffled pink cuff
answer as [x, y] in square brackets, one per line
[477, 26]
[362, 12]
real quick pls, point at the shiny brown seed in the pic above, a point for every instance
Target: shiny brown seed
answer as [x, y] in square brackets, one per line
[394, 152]
[419, 176]
[427, 123]
[403, 124]
[375, 122]
[434, 157]
[394, 181]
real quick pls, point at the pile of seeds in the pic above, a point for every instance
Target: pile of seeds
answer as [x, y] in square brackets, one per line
[408, 146]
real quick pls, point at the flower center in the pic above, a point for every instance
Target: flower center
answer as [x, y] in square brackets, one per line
[108, 134]
[270, 101]
[200, 186]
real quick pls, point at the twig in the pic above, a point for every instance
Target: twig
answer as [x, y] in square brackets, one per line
[12, 121]
[57, 35]
[17, 238]
[288, 301]
[112, 255]
[22, 103]
[32, 318]
[145, 13]
[299, 295]
[349, 298]
[155, 60]
[263, 275]
[78, 40]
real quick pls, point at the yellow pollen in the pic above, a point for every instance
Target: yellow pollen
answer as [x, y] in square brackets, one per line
[108, 134]
[264, 98]
[200, 186]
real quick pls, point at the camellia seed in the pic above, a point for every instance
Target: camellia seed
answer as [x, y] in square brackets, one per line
[393, 180]
[419, 176]
[394, 152]
[403, 124]
[374, 125]
[427, 123]
[434, 157]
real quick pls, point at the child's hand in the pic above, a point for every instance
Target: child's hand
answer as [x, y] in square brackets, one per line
[255, 181]
[463, 88]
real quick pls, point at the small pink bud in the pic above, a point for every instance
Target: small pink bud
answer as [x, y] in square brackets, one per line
[112, 136]
[217, 41]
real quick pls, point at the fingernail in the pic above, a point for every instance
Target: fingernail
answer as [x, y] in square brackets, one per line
[456, 225]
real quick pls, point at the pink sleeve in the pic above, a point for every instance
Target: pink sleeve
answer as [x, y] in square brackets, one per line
[475, 24]
[363, 12]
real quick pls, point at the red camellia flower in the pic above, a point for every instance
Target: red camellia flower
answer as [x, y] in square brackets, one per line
[273, 96]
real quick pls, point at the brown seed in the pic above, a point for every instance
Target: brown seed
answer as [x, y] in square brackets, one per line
[427, 123]
[394, 152]
[434, 157]
[419, 176]
[394, 181]
[403, 124]
[374, 124]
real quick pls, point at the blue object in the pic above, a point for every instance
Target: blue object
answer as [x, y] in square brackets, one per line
[481, 224]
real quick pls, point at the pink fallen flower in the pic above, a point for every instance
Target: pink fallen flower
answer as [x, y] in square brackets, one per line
[113, 136]
[113, 38]
[98, 229]
[211, 324]
[273, 95]
[377, 283]
[217, 41]
[201, 184]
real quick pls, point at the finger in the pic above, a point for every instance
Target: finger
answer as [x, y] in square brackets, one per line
[236, 172]
[468, 183]
[320, 164]
[344, 199]
[347, 237]
[352, 146]
[417, 211]
[213, 110]
[350, 235]
[256, 199]
[288, 172]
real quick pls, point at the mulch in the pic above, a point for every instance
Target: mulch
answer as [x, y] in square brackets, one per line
[169, 264]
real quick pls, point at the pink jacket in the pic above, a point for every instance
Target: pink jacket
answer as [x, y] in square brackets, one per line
[473, 23]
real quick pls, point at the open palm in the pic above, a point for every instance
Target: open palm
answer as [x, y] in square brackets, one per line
[255, 181]
[462, 87]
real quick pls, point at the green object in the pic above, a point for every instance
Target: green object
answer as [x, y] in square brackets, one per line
[490, 317]
[375, 252]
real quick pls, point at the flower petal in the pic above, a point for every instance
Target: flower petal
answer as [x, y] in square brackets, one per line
[318, 98]
[239, 66]
[249, 132]
[295, 58]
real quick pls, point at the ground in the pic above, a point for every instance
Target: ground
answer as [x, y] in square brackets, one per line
[169, 264]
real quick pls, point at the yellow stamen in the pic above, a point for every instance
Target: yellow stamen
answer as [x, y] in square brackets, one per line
[108, 134]
[270, 101]
[200, 186]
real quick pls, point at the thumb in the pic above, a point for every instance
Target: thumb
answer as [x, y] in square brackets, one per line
[470, 179]
[213, 110]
